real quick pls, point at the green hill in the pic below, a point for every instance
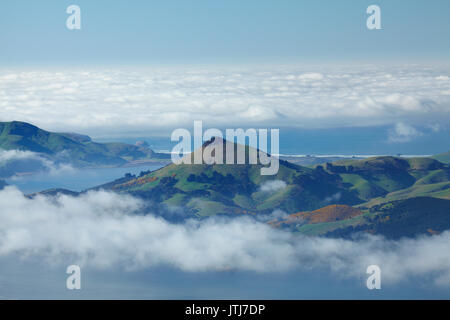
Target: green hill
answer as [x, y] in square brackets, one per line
[391, 196]
[396, 219]
[73, 148]
[238, 189]
[204, 190]
[379, 177]
[444, 157]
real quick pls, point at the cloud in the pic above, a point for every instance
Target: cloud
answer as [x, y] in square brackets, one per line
[13, 155]
[311, 76]
[435, 127]
[272, 186]
[106, 230]
[403, 132]
[13, 162]
[334, 197]
[275, 215]
[110, 102]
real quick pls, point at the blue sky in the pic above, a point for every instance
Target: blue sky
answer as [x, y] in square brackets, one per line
[222, 32]
[144, 68]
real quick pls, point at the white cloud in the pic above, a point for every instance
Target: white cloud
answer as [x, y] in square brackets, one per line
[103, 230]
[402, 102]
[403, 133]
[435, 127]
[272, 186]
[18, 161]
[334, 197]
[311, 76]
[275, 215]
[112, 102]
[12, 155]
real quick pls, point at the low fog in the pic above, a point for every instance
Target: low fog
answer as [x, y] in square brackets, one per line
[105, 230]
[13, 162]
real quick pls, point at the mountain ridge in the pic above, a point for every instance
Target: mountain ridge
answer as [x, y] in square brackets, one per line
[229, 189]
[72, 148]
[374, 195]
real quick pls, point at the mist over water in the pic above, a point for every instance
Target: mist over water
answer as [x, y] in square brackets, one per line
[123, 254]
[73, 179]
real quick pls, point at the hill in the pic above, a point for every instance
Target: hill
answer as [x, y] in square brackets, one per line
[54, 192]
[444, 157]
[78, 150]
[397, 219]
[387, 177]
[391, 196]
[204, 190]
[326, 214]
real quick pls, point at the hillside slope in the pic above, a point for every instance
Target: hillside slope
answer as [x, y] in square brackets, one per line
[394, 197]
[204, 190]
[404, 218]
[326, 214]
[79, 150]
[444, 157]
[383, 177]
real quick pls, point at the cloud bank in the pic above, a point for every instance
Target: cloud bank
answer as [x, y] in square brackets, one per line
[157, 100]
[13, 162]
[404, 133]
[103, 230]
[272, 186]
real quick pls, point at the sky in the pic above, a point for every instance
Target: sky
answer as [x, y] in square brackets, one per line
[220, 32]
[145, 68]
